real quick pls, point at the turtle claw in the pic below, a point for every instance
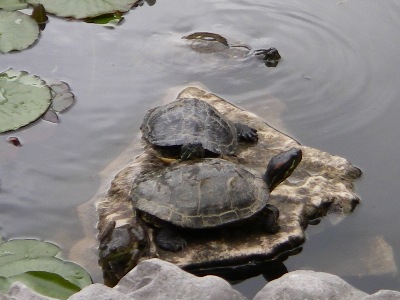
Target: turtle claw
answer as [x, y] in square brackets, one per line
[246, 133]
[170, 240]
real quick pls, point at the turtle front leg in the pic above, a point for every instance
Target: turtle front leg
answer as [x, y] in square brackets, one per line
[170, 239]
[246, 133]
[191, 151]
[270, 219]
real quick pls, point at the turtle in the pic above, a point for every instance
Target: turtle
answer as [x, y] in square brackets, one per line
[191, 128]
[208, 42]
[209, 194]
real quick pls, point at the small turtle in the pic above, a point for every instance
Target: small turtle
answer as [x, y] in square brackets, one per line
[189, 128]
[208, 42]
[209, 194]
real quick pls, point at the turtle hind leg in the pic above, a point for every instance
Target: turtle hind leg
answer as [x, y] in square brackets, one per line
[192, 151]
[270, 217]
[246, 133]
[170, 240]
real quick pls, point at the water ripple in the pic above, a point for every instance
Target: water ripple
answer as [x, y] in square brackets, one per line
[334, 67]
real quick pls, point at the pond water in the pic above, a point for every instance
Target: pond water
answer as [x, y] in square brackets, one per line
[335, 89]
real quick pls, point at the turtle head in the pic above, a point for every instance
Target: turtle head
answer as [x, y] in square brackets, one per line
[281, 166]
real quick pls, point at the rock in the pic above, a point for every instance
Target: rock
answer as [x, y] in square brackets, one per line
[384, 295]
[374, 257]
[157, 279]
[99, 292]
[309, 285]
[19, 291]
[321, 184]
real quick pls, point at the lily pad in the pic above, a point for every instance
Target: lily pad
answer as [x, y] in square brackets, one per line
[68, 270]
[62, 96]
[51, 116]
[81, 9]
[48, 284]
[108, 20]
[11, 5]
[34, 263]
[17, 31]
[16, 249]
[23, 99]
[62, 100]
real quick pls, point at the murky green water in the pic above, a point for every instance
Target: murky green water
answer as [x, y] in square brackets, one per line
[336, 89]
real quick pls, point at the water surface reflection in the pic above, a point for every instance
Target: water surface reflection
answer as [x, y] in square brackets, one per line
[336, 86]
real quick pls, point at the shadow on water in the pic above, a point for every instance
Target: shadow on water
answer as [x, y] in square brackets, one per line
[336, 86]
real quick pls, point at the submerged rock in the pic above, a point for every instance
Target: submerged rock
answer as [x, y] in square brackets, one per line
[321, 183]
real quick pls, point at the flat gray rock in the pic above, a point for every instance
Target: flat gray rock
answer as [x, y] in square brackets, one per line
[300, 285]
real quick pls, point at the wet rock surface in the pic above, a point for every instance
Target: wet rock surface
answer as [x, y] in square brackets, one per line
[321, 184]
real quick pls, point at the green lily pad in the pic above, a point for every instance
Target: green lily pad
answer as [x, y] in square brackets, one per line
[81, 9]
[70, 271]
[17, 31]
[17, 249]
[33, 263]
[11, 5]
[23, 99]
[108, 20]
[48, 284]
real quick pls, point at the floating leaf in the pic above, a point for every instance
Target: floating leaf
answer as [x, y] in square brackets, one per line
[108, 20]
[15, 141]
[32, 262]
[17, 31]
[81, 9]
[48, 284]
[150, 2]
[68, 270]
[62, 96]
[23, 99]
[17, 249]
[51, 116]
[11, 5]
[39, 14]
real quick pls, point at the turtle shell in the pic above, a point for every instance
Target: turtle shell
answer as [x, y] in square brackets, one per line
[205, 194]
[189, 121]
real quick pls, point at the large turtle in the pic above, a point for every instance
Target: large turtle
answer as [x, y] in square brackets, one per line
[189, 127]
[209, 194]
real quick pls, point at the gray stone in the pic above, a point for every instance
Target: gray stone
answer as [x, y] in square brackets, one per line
[99, 292]
[384, 295]
[300, 285]
[19, 291]
[157, 279]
